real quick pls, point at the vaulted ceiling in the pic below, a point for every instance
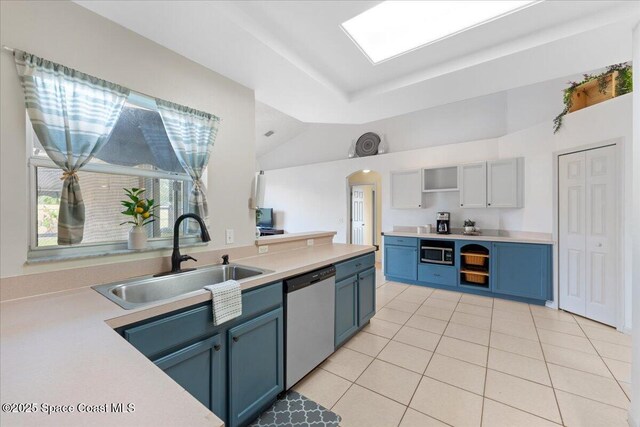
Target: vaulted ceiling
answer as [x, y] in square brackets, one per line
[300, 62]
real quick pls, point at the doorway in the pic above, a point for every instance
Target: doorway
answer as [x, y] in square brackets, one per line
[588, 230]
[364, 207]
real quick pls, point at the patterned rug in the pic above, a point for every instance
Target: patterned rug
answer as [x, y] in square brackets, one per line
[296, 410]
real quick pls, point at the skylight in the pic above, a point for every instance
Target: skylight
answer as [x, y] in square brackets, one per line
[396, 27]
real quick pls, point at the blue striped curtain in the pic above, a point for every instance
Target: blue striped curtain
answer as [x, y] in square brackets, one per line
[73, 115]
[192, 134]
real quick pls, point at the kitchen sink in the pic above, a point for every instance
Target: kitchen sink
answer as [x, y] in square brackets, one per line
[144, 290]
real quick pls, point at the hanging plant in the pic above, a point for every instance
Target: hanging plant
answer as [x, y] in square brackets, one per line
[623, 84]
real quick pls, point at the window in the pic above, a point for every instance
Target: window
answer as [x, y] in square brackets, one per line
[137, 154]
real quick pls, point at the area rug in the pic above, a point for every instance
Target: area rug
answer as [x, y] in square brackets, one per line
[296, 410]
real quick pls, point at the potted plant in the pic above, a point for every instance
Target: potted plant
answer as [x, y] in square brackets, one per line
[616, 80]
[469, 226]
[141, 211]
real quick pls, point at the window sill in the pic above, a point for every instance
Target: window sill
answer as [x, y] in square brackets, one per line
[34, 260]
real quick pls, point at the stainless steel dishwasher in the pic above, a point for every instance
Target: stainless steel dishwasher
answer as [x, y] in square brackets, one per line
[309, 322]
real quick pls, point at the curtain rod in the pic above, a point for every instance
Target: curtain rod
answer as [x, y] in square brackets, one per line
[12, 50]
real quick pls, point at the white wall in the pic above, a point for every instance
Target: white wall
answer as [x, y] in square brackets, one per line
[314, 196]
[69, 34]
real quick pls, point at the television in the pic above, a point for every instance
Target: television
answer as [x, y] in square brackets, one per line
[266, 218]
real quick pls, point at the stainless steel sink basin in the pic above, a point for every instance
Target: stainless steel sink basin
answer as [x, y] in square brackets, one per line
[139, 291]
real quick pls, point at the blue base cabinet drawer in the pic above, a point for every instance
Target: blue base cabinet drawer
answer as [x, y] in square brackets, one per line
[353, 266]
[401, 261]
[522, 270]
[400, 241]
[438, 274]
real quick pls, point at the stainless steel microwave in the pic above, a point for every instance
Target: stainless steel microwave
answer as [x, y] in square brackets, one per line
[437, 252]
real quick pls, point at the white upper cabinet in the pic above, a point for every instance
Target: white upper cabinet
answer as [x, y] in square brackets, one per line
[504, 183]
[405, 189]
[472, 182]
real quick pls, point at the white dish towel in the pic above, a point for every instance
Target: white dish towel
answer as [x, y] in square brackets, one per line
[227, 301]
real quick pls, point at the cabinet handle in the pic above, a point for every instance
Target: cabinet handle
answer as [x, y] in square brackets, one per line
[235, 339]
[488, 204]
[358, 265]
[216, 347]
[436, 274]
[461, 204]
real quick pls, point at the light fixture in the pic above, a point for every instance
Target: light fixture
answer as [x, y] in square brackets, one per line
[366, 170]
[393, 28]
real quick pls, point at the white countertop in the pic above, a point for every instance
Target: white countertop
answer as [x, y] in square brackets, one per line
[61, 349]
[538, 238]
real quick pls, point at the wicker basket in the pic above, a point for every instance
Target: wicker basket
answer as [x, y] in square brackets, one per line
[471, 259]
[480, 279]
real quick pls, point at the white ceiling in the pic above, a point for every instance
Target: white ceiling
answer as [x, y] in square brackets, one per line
[298, 60]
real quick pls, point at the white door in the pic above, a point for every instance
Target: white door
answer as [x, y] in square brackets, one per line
[472, 181]
[587, 234]
[502, 183]
[362, 215]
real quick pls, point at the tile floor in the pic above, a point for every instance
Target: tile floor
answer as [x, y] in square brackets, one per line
[435, 358]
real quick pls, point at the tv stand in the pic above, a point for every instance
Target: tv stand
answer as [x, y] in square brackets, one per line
[270, 231]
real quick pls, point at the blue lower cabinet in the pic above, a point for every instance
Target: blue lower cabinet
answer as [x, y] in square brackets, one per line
[521, 270]
[438, 274]
[255, 366]
[401, 261]
[366, 296]
[346, 319]
[199, 369]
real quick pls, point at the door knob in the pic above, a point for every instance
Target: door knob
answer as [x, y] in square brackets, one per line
[599, 245]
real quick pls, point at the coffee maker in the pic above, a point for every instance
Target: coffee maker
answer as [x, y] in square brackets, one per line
[442, 223]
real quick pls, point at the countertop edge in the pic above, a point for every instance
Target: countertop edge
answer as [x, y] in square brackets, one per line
[506, 239]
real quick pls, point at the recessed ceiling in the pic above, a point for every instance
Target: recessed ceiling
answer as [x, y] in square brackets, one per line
[297, 58]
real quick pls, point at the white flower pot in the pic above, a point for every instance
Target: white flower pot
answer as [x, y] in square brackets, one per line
[469, 229]
[137, 238]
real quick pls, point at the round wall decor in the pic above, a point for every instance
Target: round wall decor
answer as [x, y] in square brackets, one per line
[367, 144]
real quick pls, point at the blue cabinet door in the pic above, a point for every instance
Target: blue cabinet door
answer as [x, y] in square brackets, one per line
[521, 269]
[199, 369]
[346, 309]
[256, 366]
[366, 296]
[401, 261]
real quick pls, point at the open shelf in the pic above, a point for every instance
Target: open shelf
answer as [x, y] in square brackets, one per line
[474, 266]
[441, 179]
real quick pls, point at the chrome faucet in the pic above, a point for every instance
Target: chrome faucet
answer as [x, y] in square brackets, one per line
[176, 257]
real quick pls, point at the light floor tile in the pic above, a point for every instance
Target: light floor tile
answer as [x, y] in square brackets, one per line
[456, 372]
[605, 390]
[418, 338]
[435, 312]
[389, 380]
[360, 407]
[391, 315]
[463, 350]
[382, 301]
[413, 358]
[620, 370]
[613, 351]
[580, 412]
[347, 363]
[398, 286]
[521, 346]
[609, 335]
[560, 339]
[405, 306]
[522, 394]
[519, 366]
[447, 403]
[468, 333]
[413, 418]
[382, 328]
[575, 359]
[559, 326]
[387, 291]
[592, 323]
[506, 305]
[516, 329]
[444, 304]
[323, 387]
[415, 294]
[425, 323]
[448, 295]
[367, 343]
[499, 315]
[551, 313]
[474, 309]
[626, 387]
[471, 320]
[496, 414]
[477, 300]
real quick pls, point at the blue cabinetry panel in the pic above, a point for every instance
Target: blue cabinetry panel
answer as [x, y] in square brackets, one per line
[346, 320]
[521, 269]
[438, 274]
[401, 261]
[366, 295]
